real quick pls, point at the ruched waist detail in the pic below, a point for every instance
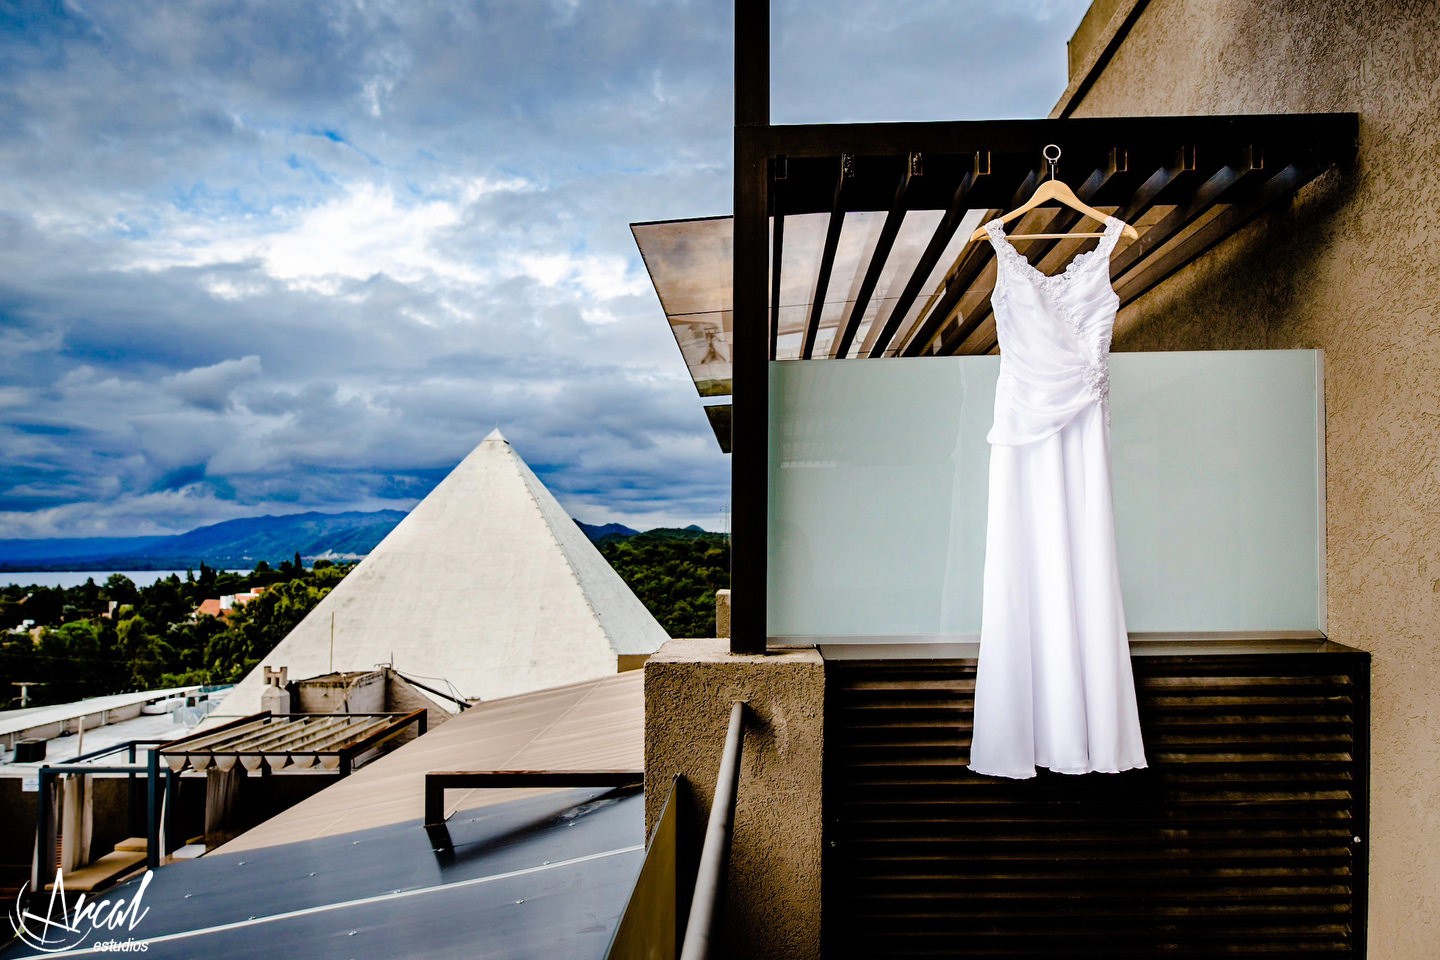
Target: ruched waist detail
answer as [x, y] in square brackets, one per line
[1028, 412]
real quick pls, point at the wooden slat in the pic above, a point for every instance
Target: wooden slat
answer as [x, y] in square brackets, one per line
[886, 241]
[777, 257]
[827, 262]
[1240, 840]
[954, 213]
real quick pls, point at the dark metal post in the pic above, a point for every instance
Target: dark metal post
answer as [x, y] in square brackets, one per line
[44, 831]
[172, 796]
[132, 794]
[749, 445]
[752, 63]
[710, 877]
[152, 809]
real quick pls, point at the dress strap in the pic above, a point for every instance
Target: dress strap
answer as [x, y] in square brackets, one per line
[996, 232]
[1113, 226]
[1004, 250]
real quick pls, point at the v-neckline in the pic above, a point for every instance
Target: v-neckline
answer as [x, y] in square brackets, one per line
[1071, 268]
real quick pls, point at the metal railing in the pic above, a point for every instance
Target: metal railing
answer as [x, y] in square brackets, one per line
[651, 924]
[715, 855]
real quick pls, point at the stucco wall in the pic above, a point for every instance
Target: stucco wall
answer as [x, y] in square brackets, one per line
[1353, 268]
[343, 693]
[772, 908]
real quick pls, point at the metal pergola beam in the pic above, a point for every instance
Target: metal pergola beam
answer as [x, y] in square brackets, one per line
[960, 280]
[1086, 135]
[438, 781]
[957, 284]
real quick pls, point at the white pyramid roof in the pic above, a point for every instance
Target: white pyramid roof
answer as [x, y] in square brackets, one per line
[487, 588]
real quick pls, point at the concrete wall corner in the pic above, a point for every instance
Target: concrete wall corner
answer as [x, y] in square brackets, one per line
[772, 907]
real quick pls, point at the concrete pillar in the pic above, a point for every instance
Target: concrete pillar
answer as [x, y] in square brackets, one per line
[772, 906]
[722, 613]
[278, 700]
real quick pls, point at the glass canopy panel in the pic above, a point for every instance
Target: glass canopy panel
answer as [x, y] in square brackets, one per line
[800, 259]
[878, 491]
[704, 341]
[569, 856]
[690, 263]
[792, 328]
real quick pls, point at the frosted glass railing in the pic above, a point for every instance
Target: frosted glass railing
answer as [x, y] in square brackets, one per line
[878, 475]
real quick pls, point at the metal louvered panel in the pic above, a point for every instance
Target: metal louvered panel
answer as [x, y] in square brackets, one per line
[1244, 838]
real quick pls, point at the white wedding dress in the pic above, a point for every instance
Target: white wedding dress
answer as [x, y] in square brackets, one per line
[1054, 686]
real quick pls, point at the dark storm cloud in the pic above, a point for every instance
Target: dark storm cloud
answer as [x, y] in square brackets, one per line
[268, 256]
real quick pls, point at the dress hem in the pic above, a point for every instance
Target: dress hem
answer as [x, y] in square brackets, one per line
[996, 773]
[1077, 771]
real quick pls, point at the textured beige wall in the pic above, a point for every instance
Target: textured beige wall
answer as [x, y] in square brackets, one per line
[773, 910]
[1353, 268]
[1092, 31]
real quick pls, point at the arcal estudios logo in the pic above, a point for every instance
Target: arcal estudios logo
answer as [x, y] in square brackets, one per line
[60, 928]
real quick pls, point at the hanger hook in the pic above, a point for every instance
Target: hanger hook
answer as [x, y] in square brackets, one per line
[1051, 160]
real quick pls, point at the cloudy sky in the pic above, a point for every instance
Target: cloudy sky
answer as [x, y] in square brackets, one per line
[264, 257]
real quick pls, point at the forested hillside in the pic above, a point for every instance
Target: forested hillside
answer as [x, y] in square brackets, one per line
[675, 573]
[111, 637]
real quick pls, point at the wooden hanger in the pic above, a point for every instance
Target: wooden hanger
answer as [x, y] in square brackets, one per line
[1054, 190]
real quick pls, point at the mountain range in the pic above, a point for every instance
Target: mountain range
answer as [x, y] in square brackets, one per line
[237, 544]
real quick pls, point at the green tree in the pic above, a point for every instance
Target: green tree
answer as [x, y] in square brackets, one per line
[675, 573]
[141, 649]
[121, 589]
[257, 627]
[77, 659]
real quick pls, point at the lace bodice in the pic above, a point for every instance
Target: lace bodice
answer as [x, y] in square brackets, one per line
[1054, 333]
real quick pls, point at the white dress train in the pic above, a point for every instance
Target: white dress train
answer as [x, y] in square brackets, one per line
[1054, 687]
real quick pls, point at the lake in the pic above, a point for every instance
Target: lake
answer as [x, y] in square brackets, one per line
[74, 578]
